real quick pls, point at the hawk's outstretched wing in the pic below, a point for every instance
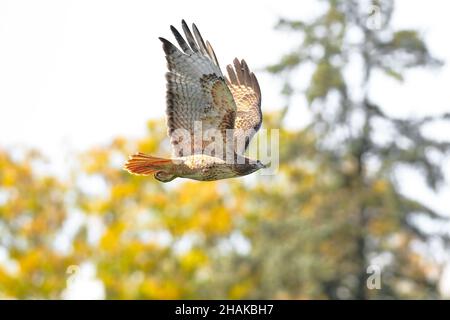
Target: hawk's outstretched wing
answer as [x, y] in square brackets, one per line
[196, 93]
[247, 95]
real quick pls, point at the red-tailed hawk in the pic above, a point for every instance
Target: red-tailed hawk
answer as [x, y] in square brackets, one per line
[211, 118]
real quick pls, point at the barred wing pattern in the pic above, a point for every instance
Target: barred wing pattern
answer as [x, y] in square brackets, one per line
[247, 95]
[196, 92]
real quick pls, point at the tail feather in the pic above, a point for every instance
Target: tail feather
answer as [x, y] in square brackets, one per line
[142, 164]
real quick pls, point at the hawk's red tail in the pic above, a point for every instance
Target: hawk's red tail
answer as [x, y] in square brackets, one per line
[143, 164]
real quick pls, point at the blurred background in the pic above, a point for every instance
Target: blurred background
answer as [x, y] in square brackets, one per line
[360, 205]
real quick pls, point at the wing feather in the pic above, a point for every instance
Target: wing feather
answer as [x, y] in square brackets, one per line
[231, 75]
[200, 41]
[189, 36]
[211, 53]
[182, 43]
[196, 93]
[247, 94]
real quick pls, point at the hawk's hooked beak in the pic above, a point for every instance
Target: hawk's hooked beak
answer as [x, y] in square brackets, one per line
[267, 165]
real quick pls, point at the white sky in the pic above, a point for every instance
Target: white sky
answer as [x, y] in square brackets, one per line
[74, 74]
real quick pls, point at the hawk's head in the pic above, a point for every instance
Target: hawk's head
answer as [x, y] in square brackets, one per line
[249, 166]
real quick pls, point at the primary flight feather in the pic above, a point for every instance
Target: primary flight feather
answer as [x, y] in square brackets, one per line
[211, 118]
